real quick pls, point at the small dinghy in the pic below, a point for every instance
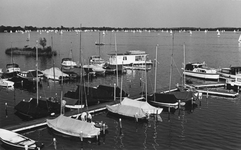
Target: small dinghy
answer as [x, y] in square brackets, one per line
[12, 139]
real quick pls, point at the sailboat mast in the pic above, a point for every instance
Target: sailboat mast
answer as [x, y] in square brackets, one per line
[146, 77]
[116, 62]
[170, 82]
[184, 63]
[37, 69]
[99, 44]
[155, 70]
[81, 72]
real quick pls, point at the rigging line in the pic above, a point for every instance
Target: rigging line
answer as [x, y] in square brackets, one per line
[176, 67]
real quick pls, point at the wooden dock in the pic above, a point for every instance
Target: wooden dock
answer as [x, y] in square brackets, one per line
[37, 123]
[201, 89]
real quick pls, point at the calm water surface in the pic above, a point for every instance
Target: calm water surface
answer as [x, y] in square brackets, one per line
[214, 124]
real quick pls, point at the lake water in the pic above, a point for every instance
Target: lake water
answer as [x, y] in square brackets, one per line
[214, 124]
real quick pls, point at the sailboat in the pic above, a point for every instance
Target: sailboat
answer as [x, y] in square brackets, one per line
[74, 127]
[239, 39]
[135, 108]
[37, 107]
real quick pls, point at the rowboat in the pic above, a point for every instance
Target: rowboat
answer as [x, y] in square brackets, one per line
[13, 139]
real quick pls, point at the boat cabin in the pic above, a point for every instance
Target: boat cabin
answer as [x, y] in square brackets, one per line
[232, 70]
[135, 57]
[12, 68]
[96, 60]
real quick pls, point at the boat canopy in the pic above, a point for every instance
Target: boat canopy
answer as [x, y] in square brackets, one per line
[13, 65]
[73, 127]
[54, 71]
[126, 110]
[147, 108]
[163, 97]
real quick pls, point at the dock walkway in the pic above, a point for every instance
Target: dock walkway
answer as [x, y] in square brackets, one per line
[37, 123]
[224, 93]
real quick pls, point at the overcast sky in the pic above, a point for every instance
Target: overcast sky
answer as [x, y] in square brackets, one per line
[121, 13]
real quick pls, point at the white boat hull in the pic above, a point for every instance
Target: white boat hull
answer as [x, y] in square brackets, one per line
[209, 76]
[16, 140]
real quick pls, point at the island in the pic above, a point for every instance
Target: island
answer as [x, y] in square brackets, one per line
[31, 51]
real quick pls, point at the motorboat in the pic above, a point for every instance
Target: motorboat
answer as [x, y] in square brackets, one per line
[6, 83]
[200, 70]
[13, 67]
[15, 140]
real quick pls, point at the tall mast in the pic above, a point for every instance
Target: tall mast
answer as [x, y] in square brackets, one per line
[170, 82]
[146, 78]
[155, 74]
[81, 71]
[116, 62]
[155, 69]
[184, 64]
[37, 69]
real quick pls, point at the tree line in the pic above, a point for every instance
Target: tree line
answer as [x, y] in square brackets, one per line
[31, 28]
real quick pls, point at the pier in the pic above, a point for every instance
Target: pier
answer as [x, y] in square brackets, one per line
[41, 122]
[201, 88]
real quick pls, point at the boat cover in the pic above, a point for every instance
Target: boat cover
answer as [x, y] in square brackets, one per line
[147, 108]
[183, 95]
[134, 108]
[73, 127]
[163, 97]
[54, 71]
[128, 111]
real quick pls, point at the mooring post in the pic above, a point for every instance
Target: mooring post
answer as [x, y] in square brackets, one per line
[6, 109]
[136, 117]
[55, 145]
[120, 125]
[169, 110]
[26, 147]
[81, 139]
[114, 91]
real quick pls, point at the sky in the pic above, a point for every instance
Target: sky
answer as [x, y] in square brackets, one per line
[121, 13]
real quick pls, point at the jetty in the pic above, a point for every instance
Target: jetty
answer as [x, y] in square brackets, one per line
[41, 122]
[206, 89]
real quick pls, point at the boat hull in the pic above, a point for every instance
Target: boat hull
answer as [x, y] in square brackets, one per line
[206, 76]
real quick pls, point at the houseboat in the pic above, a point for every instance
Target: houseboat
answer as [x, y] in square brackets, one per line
[134, 57]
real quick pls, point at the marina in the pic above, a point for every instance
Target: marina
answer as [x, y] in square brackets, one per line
[202, 124]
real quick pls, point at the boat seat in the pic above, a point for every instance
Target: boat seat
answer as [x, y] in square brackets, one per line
[21, 141]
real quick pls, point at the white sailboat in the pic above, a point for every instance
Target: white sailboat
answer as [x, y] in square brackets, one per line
[239, 39]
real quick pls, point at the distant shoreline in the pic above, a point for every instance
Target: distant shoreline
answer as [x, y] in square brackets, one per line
[6, 29]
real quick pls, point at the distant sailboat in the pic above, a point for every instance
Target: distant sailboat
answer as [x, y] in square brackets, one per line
[239, 39]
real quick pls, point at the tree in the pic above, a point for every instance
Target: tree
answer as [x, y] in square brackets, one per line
[43, 42]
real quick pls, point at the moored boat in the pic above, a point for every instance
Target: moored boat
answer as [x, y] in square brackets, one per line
[31, 75]
[73, 127]
[200, 70]
[134, 108]
[230, 72]
[15, 140]
[6, 83]
[13, 67]
[54, 73]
